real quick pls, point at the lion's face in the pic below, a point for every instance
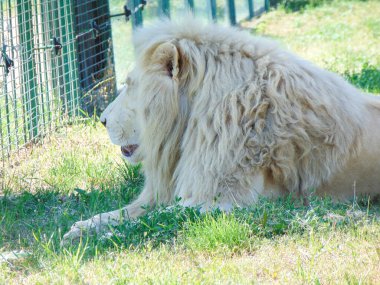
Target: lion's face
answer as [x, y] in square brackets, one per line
[120, 119]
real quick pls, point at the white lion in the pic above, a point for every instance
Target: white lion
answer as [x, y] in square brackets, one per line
[220, 117]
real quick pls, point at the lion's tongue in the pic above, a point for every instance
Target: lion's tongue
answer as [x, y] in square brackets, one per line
[128, 150]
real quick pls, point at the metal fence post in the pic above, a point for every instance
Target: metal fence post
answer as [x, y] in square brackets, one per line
[190, 4]
[73, 61]
[165, 7]
[137, 18]
[5, 89]
[25, 25]
[251, 8]
[69, 57]
[65, 39]
[211, 7]
[46, 66]
[39, 72]
[232, 12]
[57, 64]
[111, 60]
[267, 5]
[19, 130]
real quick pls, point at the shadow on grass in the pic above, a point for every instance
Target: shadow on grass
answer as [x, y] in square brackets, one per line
[46, 214]
[266, 219]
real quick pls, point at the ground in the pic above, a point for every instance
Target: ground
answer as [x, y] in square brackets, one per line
[77, 173]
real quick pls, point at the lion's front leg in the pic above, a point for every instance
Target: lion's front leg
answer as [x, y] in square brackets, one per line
[95, 224]
[100, 222]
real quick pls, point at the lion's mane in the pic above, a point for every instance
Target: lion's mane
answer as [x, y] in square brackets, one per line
[219, 106]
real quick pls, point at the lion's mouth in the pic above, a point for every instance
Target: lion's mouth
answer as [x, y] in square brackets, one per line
[128, 150]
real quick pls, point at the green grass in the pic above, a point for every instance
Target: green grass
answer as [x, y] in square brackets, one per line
[78, 173]
[277, 240]
[218, 234]
[342, 36]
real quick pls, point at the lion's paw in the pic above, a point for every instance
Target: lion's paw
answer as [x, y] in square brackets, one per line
[81, 228]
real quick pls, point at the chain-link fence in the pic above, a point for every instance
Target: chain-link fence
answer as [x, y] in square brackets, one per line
[56, 58]
[57, 62]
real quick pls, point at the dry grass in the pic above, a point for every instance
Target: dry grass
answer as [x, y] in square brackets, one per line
[77, 173]
[78, 156]
[334, 258]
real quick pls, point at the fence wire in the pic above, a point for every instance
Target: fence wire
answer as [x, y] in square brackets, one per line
[56, 58]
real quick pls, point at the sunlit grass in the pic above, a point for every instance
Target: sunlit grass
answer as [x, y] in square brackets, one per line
[218, 234]
[78, 173]
[342, 36]
[78, 156]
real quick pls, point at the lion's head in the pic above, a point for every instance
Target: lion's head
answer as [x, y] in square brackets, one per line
[120, 119]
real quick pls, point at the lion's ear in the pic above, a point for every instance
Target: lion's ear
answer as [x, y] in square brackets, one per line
[166, 56]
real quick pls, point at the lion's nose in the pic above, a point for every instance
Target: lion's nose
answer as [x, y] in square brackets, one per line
[104, 122]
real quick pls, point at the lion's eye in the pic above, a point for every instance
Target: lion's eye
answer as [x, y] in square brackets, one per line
[130, 82]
